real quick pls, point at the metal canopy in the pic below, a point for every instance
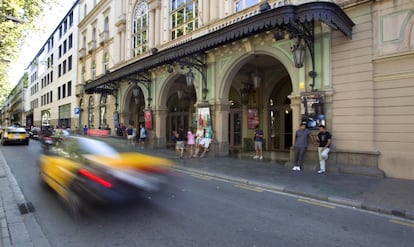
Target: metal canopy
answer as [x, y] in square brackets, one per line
[329, 13]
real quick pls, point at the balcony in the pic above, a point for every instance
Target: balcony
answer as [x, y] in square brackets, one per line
[104, 37]
[82, 52]
[91, 46]
[80, 89]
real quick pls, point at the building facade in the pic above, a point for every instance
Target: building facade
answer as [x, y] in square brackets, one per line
[229, 64]
[53, 76]
[236, 65]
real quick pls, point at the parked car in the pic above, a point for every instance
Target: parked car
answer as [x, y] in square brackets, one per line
[14, 134]
[87, 171]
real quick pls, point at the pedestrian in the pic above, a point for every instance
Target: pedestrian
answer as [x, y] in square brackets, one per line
[142, 136]
[258, 143]
[190, 142]
[208, 138]
[130, 134]
[85, 130]
[179, 145]
[199, 137]
[324, 139]
[301, 145]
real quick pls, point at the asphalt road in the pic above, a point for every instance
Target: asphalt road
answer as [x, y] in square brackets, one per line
[195, 210]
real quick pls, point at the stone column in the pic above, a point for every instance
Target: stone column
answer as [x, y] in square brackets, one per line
[159, 131]
[221, 111]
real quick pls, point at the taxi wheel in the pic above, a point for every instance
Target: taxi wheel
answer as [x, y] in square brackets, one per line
[74, 204]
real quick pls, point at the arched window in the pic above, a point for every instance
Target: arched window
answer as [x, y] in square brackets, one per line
[140, 30]
[102, 112]
[91, 105]
[184, 17]
[106, 62]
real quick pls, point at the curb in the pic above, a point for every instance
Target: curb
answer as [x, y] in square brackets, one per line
[333, 199]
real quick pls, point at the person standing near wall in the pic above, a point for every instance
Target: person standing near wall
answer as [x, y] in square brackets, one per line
[324, 139]
[190, 142]
[142, 136]
[199, 137]
[208, 138]
[301, 145]
[258, 143]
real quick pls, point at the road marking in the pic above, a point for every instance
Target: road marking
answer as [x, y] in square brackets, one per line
[248, 188]
[399, 222]
[200, 177]
[317, 203]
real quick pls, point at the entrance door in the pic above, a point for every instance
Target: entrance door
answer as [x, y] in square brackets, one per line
[176, 120]
[280, 127]
[235, 134]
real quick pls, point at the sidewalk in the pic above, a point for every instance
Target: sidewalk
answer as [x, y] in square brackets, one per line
[383, 195]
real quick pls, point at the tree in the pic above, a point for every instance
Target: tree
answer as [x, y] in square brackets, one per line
[17, 20]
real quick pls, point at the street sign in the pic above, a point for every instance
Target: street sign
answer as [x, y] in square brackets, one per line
[77, 111]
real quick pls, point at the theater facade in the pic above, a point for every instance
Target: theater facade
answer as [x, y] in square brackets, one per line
[238, 65]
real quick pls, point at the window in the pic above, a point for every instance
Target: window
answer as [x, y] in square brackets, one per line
[59, 94]
[83, 75]
[60, 31]
[85, 10]
[69, 88]
[106, 24]
[64, 46]
[106, 62]
[94, 34]
[51, 96]
[90, 112]
[70, 63]
[63, 91]
[70, 41]
[140, 28]
[93, 71]
[59, 70]
[71, 19]
[102, 112]
[64, 67]
[60, 51]
[184, 17]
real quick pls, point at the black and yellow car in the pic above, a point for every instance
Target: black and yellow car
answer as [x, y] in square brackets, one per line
[83, 170]
[14, 135]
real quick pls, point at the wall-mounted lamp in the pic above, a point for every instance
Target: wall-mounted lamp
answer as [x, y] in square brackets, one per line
[256, 79]
[303, 36]
[189, 78]
[298, 52]
[198, 62]
[154, 51]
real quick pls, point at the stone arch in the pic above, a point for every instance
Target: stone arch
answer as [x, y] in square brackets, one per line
[237, 62]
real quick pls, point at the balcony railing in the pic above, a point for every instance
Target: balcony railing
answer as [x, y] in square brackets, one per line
[104, 36]
[82, 52]
[91, 46]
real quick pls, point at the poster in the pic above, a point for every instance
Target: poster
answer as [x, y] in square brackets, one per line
[312, 109]
[148, 119]
[252, 118]
[204, 118]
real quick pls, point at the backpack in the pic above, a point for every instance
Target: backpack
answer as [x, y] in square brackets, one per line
[129, 131]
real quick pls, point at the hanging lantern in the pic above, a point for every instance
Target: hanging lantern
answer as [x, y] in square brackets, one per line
[298, 52]
[189, 77]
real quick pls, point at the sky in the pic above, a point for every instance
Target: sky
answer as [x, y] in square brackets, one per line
[36, 40]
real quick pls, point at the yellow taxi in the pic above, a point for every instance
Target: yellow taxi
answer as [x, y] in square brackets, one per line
[14, 134]
[83, 170]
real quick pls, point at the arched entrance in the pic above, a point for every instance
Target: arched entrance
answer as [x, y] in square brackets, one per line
[259, 98]
[180, 104]
[136, 106]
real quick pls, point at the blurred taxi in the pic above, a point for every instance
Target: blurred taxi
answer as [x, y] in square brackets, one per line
[14, 134]
[84, 170]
